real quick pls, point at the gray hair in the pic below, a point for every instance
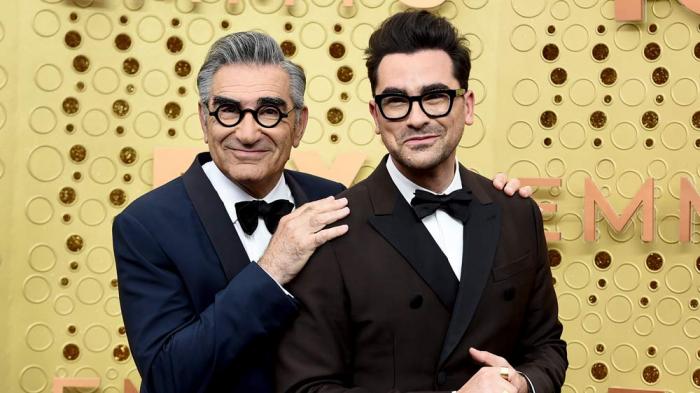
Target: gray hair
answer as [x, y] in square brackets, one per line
[250, 47]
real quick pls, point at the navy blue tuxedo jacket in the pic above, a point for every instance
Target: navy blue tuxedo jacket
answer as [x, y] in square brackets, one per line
[199, 316]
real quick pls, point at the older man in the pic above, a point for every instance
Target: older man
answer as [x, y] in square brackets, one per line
[200, 314]
[451, 288]
[200, 317]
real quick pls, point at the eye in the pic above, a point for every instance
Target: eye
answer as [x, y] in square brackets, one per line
[435, 96]
[394, 100]
[228, 108]
[268, 111]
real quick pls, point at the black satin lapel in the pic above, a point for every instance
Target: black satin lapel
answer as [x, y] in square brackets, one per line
[407, 234]
[215, 219]
[298, 192]
[481, 236]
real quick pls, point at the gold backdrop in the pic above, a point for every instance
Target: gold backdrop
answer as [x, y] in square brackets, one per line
[88, 88]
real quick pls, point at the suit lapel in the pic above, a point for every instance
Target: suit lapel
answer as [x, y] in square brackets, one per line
[216, 221]
[396, 222]
[298, 192]
[481, 234]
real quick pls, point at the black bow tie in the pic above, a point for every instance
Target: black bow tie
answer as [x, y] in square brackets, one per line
[455, 203]
[249, 211]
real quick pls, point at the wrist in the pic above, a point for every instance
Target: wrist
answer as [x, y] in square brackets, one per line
[273, 271]
[523, 383]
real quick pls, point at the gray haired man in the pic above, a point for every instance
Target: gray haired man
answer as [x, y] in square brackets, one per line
[200, 316]
[199, 268]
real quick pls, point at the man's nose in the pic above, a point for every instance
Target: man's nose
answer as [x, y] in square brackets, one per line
[416, 117]
[248, 130]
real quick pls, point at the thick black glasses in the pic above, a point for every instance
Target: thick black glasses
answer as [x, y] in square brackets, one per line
[436, 103]
[267, 116]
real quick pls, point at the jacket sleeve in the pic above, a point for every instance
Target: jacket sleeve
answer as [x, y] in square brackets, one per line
[316, 353]
[544, 360]
[177, 349]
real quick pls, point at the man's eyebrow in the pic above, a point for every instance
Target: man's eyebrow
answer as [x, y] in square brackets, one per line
[393, 90]
[218, 100]
[423, 90]
[272, 101]
[433, 87]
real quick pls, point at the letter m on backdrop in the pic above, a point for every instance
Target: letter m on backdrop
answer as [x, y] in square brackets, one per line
[644, 198]
[633, 10]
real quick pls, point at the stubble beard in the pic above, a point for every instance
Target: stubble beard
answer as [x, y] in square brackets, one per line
[406, 157]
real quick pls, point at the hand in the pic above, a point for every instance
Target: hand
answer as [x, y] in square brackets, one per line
[489, 380]
[509, 186]
[299, 234]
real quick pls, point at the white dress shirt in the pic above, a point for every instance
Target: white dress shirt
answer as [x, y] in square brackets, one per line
[446, 230]
[230, 194]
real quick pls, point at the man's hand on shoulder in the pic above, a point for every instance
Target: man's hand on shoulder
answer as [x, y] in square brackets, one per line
[299, 234]
[491, 377]
[510, 186]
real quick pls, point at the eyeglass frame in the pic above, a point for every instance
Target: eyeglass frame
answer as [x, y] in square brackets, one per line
[452, 93]
[253, 112]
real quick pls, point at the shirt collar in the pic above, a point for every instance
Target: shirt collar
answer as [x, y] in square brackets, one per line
[231, 193]
[407, 188]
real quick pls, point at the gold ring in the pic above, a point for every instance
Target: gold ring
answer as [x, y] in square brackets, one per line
[504, 372]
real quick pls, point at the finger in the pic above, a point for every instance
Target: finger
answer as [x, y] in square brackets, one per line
[500, 180]
[327, 204]
[321, 220]
[322, 236]
[506, 373]
[512, 186]
[503, 385]
[525, 192]
[487, 358]
[491, 381]
[319, 206]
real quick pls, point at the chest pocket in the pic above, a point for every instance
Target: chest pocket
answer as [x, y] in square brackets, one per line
[519, 265]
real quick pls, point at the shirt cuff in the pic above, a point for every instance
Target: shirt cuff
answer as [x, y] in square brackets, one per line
[278, 284]
[530, 386]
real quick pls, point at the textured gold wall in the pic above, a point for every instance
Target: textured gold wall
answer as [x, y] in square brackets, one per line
[88, 88]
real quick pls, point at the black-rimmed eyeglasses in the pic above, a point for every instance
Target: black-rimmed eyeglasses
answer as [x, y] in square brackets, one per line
[267, 116]
[436, 103]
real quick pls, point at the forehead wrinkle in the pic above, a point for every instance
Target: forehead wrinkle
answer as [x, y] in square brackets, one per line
[249, 97]
[249, 83]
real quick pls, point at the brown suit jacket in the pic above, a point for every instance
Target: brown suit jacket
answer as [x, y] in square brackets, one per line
[382, 311]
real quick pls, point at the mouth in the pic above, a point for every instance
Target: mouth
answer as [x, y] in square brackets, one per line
[248, 154]
[419, 140]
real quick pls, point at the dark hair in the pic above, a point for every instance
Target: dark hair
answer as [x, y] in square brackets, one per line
[412, 31]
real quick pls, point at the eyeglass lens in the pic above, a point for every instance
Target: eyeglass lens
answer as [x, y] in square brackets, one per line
[266, 116]
[433, 104]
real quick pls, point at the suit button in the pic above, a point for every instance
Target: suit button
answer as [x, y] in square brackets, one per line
[509, 294]
[441, 378]
[416, 302]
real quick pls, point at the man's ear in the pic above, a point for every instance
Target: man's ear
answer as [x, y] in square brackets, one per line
[203, 116]
[469, 107]
[374, 111]
[300, 126]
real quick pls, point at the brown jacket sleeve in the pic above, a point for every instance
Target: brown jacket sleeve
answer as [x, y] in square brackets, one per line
[545, 359]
